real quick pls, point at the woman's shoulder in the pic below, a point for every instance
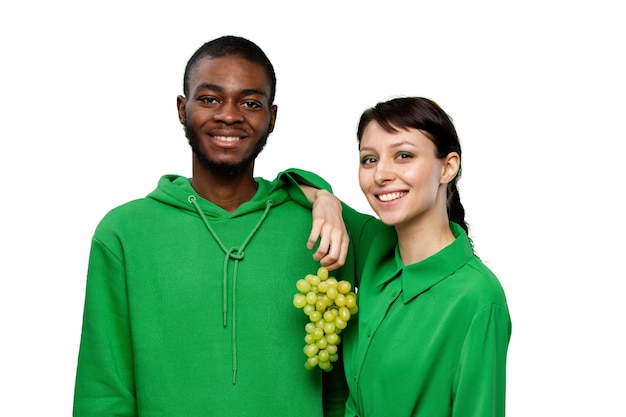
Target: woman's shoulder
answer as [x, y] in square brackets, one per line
[481, 282]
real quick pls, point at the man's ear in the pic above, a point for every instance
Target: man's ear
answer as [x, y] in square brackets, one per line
[450, 167]
[273, 112]
[180, 104]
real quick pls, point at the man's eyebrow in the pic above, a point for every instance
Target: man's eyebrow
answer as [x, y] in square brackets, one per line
[209, 86]
[253, 91]
[220, 89]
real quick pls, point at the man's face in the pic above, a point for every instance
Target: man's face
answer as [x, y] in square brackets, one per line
[226, 115]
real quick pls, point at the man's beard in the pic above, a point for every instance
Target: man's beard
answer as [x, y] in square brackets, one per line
[219, 168]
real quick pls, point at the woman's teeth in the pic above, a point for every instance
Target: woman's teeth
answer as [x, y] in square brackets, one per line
[391, 196]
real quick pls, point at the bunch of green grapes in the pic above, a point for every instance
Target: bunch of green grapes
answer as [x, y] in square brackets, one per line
[329, 304]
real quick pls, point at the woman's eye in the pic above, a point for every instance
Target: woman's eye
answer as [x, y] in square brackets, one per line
[368, 160]
[404, 155]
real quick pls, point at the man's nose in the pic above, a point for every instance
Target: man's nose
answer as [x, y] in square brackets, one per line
[229, 112]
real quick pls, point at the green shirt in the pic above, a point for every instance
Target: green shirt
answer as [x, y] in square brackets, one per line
[432, 337]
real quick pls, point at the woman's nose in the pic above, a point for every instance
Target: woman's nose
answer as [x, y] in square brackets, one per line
[383, 174]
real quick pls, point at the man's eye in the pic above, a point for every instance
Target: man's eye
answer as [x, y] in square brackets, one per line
[208, 100]
[251, 105]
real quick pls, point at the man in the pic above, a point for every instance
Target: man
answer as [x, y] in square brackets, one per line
[188, 304]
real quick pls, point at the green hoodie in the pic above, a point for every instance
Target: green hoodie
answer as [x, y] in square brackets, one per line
[188, 309]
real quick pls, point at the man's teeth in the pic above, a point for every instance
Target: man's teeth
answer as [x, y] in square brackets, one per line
[227, 138]
[391, 196]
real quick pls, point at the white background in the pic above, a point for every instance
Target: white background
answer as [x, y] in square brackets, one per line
[536, 89]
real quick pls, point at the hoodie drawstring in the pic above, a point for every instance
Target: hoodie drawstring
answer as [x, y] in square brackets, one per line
[237, 254]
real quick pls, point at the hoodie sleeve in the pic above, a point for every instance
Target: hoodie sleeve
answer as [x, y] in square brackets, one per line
[105, 378]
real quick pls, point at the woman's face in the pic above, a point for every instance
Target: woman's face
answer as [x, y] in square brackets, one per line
[401, 177]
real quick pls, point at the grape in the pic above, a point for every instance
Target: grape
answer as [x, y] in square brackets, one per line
[314, 280]
[317, 333]
[332, 349]
[311, 297]
[322, 273]
[299, 300]
[333, 339]
[340, 323]
[344, 313]
[323, 287]
[312, 362]
[330, 315]
[329, 327]
[332, 292]
[340, 300]
[315, 316]
[303, 286]
[344, 287]
[322, 343]
[308, 309]
[329, 304]
[350, 300]
[311, 350]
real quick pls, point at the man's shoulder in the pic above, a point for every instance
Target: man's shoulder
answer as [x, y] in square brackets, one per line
[127, 212]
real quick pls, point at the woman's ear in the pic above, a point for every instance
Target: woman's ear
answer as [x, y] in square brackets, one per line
[450, 167]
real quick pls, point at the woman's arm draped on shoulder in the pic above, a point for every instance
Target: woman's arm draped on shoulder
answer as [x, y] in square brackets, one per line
[331, 218]
[328, 227]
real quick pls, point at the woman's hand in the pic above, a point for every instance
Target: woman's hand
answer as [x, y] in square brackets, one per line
[328, 227]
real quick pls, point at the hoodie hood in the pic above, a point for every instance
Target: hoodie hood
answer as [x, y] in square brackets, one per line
[175, 190]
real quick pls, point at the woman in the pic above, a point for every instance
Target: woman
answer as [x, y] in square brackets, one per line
[433, 323]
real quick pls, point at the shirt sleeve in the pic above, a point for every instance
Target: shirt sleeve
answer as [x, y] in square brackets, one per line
[293, 177]
[105, 378]
[480, 384]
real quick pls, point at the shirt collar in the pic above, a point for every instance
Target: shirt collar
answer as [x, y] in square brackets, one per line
[419, 277]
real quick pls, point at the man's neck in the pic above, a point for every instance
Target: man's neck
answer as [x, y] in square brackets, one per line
[226, 192]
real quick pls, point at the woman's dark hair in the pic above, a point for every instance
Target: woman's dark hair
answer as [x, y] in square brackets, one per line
[428, 117]
[232, 45]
